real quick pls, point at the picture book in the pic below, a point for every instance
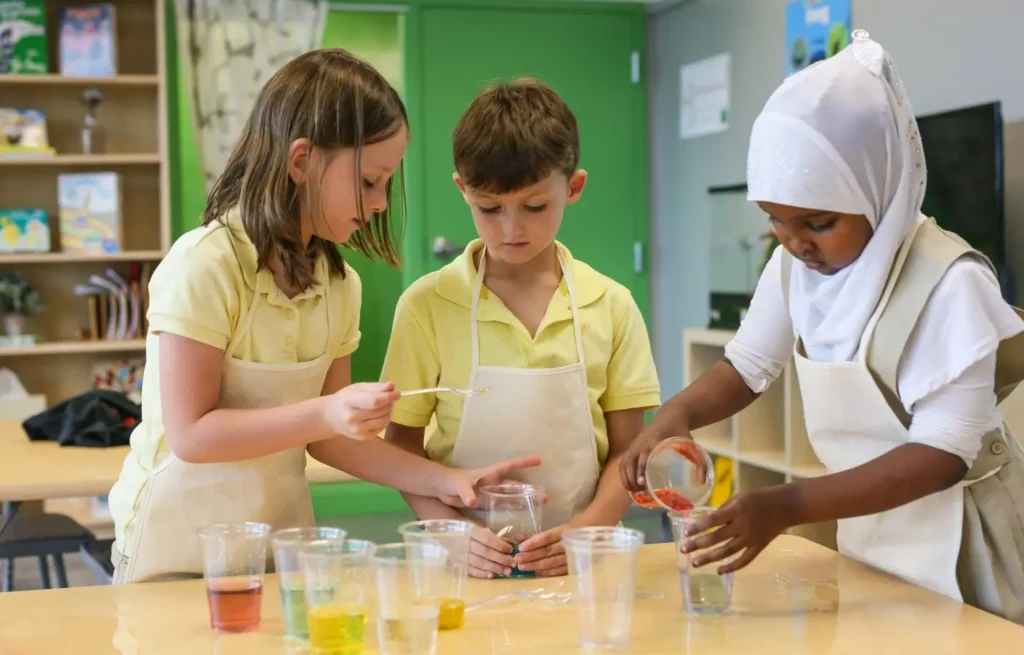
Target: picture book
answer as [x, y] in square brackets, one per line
[88, 42]
[124, 376]
[90, 212]
[23, 37]
[24, 230]
[23, 133]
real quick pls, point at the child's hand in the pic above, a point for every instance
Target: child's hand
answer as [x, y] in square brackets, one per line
[361, 410]
[489, 555]
[457, 487]
[544, 554]
[746, 524]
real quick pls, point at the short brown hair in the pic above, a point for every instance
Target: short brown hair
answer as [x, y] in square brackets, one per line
[335, 100]
[513, 135]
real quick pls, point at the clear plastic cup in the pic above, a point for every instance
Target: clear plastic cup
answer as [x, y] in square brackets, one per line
[704, 591]
[602, 565]
[410, 585]
[455, 537]
[234, 563]
[336, 577]
[287, 544]
[679, 476]
[514, 512]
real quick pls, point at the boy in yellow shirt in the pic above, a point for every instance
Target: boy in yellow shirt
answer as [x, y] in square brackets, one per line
[562, 349]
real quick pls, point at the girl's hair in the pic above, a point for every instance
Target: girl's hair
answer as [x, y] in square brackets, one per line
[336, 101]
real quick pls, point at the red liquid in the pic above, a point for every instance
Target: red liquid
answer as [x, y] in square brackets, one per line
[675, 501]
[235, 604]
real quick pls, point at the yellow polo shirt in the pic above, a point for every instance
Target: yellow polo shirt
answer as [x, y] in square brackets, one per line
[202, 290]
[430, 346]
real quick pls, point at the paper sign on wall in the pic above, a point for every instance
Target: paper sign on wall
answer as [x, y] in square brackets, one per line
[705, 97]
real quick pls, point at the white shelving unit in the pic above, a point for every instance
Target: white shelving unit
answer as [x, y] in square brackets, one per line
[767, 442]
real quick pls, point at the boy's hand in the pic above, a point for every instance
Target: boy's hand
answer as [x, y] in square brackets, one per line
[489, 555]
[544, 553]
[361, 410]
[745, 524]
[458, 487]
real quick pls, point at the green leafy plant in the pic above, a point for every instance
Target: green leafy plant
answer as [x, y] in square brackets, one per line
[17, 295]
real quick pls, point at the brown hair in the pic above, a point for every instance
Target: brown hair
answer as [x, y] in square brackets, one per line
[513, 135]
[336, 101]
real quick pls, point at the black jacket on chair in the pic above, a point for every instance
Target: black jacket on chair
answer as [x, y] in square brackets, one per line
[95, 419]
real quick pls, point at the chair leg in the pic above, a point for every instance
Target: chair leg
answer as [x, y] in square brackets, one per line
[59, 571]
[8, 574]
[44, 572]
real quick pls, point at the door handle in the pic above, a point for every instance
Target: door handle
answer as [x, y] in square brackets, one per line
[445, 249]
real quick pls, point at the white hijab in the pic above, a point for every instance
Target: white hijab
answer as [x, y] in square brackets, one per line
[841, 136]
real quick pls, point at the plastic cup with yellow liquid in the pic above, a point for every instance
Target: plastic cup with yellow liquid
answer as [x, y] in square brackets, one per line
[337, 579]
[454, 536]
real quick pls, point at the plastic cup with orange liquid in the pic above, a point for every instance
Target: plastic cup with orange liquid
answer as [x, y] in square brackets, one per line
[454, 536]
[679, 475]
[235, 561]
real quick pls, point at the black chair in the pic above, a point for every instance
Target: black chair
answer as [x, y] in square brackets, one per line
[42, 536]
[96, 556]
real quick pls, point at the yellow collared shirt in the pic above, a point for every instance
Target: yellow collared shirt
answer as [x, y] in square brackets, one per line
[202, 290]
[430, 345]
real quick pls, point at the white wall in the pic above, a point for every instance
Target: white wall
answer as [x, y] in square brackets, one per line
[950, 53]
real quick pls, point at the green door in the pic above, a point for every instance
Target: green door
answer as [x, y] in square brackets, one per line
[587, 55]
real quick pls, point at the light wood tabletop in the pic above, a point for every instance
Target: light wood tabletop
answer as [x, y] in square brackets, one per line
[797, 598]
[42, 470]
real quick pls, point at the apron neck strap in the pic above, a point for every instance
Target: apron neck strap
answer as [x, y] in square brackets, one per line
[474, 328]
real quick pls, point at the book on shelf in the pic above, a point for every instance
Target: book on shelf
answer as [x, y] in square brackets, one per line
[24, 230]
[121, 375]
[90, 213]
[116, 305]
[23, 48]
[24, 133]
[88, 41]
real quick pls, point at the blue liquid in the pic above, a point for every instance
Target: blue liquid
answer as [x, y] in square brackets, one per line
[516, 573]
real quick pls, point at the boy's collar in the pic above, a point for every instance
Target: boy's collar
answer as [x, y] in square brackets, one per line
[456, 281]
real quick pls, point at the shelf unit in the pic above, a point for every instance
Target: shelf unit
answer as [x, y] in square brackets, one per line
[767, 442]
[133, 113]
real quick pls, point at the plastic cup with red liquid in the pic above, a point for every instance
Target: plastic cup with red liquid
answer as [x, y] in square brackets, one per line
[679, 475]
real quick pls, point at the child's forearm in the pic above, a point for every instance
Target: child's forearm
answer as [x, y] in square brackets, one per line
[715, 396]
[382, 463]
[426, 507]
[903, 475]
[231, 435]
[611, 501]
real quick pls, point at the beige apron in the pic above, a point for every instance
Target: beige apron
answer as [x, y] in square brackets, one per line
[966, 542]
[180, 498]
[533, 412]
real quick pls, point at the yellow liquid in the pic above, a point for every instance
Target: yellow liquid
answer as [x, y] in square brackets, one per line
[451, 613]
[337, 629]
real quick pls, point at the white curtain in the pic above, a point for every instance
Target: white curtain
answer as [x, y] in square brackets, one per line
[228, 49]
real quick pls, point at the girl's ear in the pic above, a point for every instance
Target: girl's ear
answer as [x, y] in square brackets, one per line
[299, 160]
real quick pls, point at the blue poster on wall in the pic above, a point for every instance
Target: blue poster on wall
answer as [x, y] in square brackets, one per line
[815, 30]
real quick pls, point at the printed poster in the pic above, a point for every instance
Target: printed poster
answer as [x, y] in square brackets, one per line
[815, 30]
[704, 107]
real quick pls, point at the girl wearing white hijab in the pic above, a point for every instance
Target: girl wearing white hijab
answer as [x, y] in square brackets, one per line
[894, 325]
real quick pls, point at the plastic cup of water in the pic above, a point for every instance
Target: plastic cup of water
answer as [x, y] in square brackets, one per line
[287, 544]
[704, 591]
[234, 564]
[679, 475]
[602, 565]
[410, 585]
[514, 512]
[455, 537]
[336, 578]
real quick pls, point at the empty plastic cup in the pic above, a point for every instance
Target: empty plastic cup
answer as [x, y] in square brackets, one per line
[455, 537]
[336, 578]
[704, 591]
[410, 582]
[287, 544]
[234, 563]
[602, 565]
[514, 512]
[679, 476]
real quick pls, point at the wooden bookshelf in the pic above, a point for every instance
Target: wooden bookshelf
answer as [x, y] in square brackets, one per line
[767, 442]
[133, 113]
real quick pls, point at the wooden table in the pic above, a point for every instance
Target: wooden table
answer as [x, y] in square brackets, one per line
[42, 470]
[797, 598]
